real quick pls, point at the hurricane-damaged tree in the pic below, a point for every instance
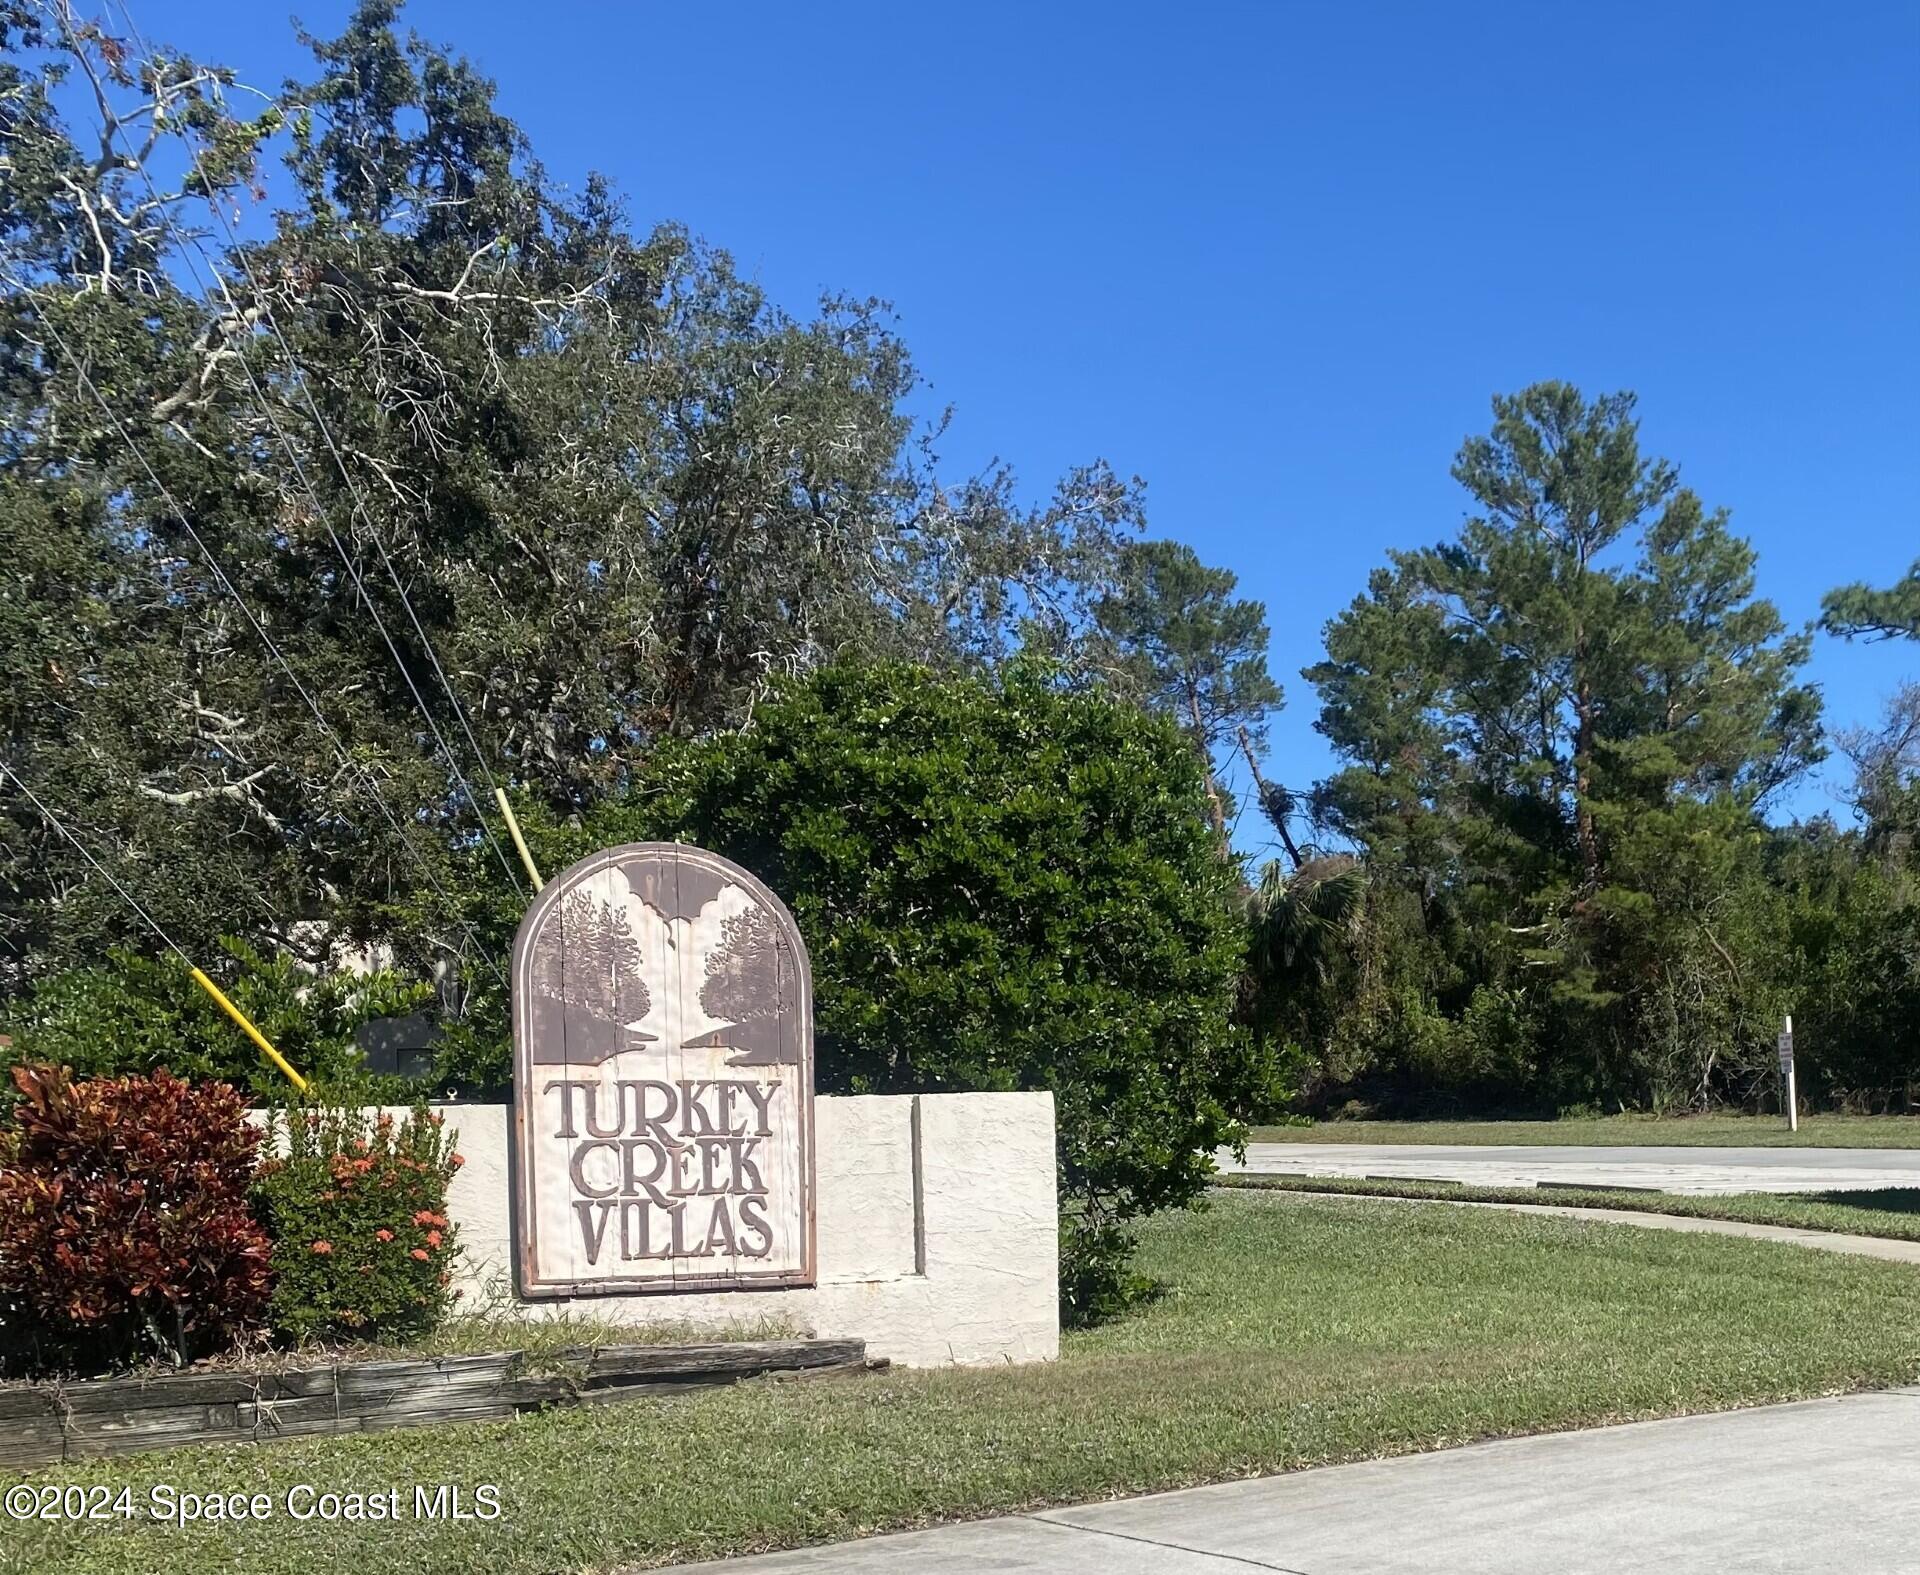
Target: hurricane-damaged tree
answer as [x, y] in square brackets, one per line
[330, 394]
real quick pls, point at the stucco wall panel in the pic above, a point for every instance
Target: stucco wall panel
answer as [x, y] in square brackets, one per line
[937, 1233]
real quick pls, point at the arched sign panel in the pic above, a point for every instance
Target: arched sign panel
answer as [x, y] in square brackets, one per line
[662, 1080]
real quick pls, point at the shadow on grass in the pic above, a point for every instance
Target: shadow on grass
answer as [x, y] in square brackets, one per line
[1887, 1200]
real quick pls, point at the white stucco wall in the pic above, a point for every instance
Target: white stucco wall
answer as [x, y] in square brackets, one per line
[936, 1245]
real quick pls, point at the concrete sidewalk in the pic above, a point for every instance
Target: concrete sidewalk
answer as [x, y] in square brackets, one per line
[1825, 1485]
[1665, 1169]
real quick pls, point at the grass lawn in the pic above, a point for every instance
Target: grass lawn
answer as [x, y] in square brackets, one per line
[1293, 1332]
[1883, 1211]
[1719, 1131]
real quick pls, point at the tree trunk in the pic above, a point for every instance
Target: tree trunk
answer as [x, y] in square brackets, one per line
[1583, 773]
[1260, 787]
[1216, 809]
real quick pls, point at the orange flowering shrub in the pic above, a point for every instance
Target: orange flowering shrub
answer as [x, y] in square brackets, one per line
[125, 1230]
[362, 1246]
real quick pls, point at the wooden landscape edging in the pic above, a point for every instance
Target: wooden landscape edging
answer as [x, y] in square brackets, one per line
[44, 1424]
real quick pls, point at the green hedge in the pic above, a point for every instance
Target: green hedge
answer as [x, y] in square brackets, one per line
[1002, 885]
[131, 1015]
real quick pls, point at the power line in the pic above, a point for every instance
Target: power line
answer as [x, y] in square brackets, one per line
[259, 628]
[190, 244]
[80, 847]
[266, 639]
[200, 977]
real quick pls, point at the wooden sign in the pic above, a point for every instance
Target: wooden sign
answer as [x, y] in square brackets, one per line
[663, 1080]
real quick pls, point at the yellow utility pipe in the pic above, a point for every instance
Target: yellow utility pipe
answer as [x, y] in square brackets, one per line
[249, 1030]
[520, 842]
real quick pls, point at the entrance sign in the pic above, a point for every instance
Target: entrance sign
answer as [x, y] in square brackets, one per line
[662, 1080]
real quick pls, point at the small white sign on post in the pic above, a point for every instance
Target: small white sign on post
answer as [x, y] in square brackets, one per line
[1791, 1095]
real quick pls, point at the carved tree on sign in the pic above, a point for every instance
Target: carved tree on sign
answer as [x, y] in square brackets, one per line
[743, 988]
[595, 970]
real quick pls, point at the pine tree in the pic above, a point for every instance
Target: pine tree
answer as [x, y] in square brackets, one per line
[1560, 727]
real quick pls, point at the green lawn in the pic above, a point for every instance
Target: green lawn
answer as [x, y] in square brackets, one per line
[1293, 1332]
[1883, 1211]
[1719, 1131]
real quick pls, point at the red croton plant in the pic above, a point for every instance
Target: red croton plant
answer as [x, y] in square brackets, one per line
[125, 1232]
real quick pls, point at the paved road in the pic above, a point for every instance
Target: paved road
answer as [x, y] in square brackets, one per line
[1823, 1486]
[1697, 1170]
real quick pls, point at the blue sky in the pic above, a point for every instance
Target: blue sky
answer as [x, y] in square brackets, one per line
[1275, 259]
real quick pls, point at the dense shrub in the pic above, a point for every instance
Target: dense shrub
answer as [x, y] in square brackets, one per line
[1002, 886]
[1856, 972]
[1474, 1061]
[125, 1230]
[362, 1246]
[133, 1013]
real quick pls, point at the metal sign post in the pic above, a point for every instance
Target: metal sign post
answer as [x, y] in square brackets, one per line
[1792, 1094]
